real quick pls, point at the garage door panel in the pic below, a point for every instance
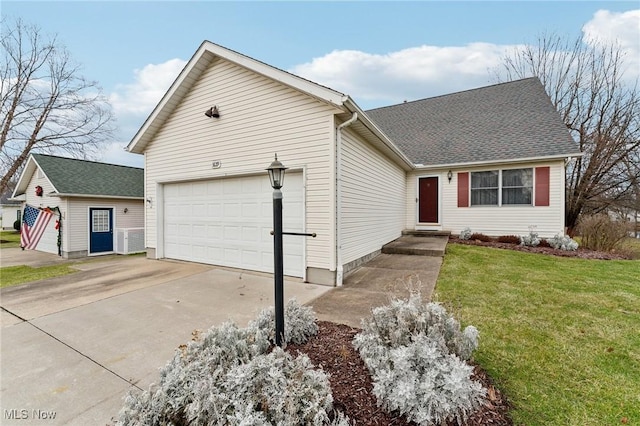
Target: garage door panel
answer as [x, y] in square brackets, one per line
[228, 222]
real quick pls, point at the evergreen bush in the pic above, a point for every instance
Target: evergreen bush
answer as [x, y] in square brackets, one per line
[415, 353]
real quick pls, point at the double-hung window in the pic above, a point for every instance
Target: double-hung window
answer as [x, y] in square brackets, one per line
[484, 188]
[502, 187]
[517, 186]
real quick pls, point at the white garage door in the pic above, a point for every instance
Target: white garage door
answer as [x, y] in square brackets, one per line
[49, 241]
[228, 222]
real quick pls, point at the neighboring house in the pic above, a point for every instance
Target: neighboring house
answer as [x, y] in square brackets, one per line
[9, 209]
[492, 159]
[100, 207]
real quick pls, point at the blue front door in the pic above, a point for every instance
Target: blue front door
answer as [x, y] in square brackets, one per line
[100, 230]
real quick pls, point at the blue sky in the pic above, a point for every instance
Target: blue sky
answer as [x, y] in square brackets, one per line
[380, 53]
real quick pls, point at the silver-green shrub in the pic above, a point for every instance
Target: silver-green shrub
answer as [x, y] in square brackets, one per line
[466, 233]
[299, 322]
[530, 240]
[563, 242]
[415, 354]
[226, 377]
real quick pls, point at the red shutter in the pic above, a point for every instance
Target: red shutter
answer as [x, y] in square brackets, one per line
[542, 186]
[463, 189]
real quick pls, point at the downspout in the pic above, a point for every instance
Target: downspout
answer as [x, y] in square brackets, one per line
[339, 270]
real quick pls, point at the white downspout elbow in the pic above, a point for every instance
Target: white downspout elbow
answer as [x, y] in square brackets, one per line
[339, 269]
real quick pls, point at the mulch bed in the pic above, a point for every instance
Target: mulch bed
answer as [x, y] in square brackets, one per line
[351, 384]
[580, 253]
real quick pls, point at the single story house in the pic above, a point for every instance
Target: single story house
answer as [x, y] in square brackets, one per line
[98, 207]
[9, 209]
[492, 159]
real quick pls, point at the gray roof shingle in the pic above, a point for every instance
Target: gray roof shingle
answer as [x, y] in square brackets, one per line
[505, 121]
[82, 177]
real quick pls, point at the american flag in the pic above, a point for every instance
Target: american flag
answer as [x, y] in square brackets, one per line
[34, 223]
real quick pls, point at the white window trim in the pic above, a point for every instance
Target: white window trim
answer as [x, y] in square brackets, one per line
[500, 188]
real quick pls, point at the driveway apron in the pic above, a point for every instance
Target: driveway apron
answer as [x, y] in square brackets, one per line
[73, 346]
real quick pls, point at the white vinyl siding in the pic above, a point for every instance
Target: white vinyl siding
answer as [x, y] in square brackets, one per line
[373, 190]
[76, 223]
[495, 220]
[258, 118]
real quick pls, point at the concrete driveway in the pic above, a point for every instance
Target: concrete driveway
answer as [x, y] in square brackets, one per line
[73, 346]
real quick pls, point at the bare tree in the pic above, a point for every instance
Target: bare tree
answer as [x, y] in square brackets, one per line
[600, 108]
[45, 105]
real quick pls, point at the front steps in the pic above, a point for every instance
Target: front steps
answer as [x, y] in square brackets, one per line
[419, 243]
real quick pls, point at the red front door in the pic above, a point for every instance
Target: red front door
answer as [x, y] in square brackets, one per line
[428, 200]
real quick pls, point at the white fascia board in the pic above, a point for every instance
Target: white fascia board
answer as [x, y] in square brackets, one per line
[366, 121]
[27, 174]
[281, 76]
[112, 197]
[497, 162]
[138, 142]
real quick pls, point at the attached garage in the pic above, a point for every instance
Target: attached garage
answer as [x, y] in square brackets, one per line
[228, 221]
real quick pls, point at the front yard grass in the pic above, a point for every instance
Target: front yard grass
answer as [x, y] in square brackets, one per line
[9, 239]
[14, 275]
[559, 335]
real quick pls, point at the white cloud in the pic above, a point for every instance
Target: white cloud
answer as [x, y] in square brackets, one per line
[150, 84]
[621, 28]
[611, 27]
[132, 103]
[408, 74]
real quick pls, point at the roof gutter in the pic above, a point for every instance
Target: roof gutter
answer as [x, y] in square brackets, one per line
[406, 163]
[338, 192]
[65, 195]
[497, 162]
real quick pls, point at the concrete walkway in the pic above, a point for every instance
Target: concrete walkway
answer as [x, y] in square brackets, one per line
[413, 265]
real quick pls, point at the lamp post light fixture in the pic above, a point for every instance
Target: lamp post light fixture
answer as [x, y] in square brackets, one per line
[276, 174]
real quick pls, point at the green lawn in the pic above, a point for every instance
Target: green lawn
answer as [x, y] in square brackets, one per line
[14, 275]
[9, 239]
[561, 336]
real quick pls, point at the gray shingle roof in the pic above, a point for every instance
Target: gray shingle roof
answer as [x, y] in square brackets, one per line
[81, 177]
[505, 121]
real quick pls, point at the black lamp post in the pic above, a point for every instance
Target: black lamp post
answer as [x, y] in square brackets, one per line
[276, 175]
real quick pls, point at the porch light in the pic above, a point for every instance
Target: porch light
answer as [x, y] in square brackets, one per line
[450, 176]
[276, 173]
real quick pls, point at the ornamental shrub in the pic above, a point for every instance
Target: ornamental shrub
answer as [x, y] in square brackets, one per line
[600, 232]
[227, 377]
[415, 354]
[465, 234]
[563, 242]
[530, 240]
[300, 322]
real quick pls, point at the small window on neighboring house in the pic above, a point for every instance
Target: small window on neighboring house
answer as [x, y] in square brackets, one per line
[484, 188]
[517, 186]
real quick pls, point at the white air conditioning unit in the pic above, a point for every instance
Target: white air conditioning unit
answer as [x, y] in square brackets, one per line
[129, 240]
